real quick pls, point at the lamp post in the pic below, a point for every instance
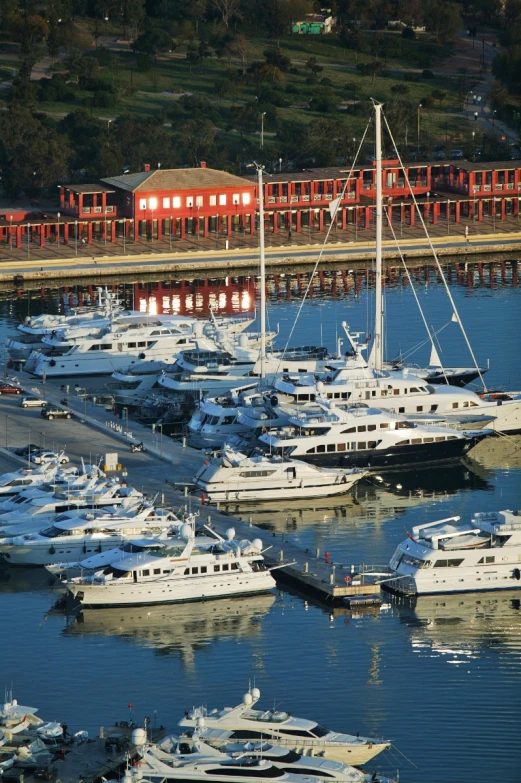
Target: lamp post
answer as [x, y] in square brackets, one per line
[125, 410]
[263, 114]
[419, 107]
[44, 379]
[108, 125]
[217, 232]
[76, 235]
[448, 215]
[494, 118]
[171, 223]
[28, 238]
[124, 235]
[354, 147]
[280, 165]
[152, 230]
[10, 232]
[58, 227]
[160, 441]
[494, 211]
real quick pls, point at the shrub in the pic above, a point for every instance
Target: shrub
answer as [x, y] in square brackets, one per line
[408, 33]
[427, 74]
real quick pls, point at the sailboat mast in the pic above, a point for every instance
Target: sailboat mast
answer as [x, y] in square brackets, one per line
[377, 352]
[262, 276]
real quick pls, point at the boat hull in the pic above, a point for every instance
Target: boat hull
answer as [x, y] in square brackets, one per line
[293, 490]
[487, 584]
[354, 755]
[394, 456]
[150, 593]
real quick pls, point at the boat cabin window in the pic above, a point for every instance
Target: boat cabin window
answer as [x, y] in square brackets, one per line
[396, 391]
[157, 571]
[362, 428]
[455, 404]
[216, 568]
[349, 429]
[413, 389]
[225, 567]
[106, 347]
[384, 425]
[362, 444]
[242, 771]
[235, 566]
[204, 569]
[195, 570]
[229, 420]
[256, 473]
[401, 410]
[403, 443]
[117, 573]
[439, 439]
[56, 532]
[296, 732]
[453, 563]
[321, 449]
[416, 440]
[413, 561]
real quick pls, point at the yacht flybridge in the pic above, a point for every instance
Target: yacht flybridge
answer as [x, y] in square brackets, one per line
[361, 437]
[306, 737]
[186, 570]
[235, 476]
[446, 557]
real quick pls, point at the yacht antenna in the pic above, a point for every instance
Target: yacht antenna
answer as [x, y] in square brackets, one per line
[262, 274]
[376, 357]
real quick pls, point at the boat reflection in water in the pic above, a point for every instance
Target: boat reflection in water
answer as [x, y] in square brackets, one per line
[375, 498]
[26, 580]
[501, 453]
[463, 627]
[178, 629]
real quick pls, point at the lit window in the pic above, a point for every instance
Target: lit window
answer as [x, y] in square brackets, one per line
[189, 201]
[213, 201]
[222, 200]
[176, 202]
[152, 203]
[245, 198]
[142, 203]
[166, 203]
[198, 201]
[236, 198]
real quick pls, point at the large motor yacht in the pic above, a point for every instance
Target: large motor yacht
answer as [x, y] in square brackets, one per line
[444, 557]
[184, 571]
[306, 737]
[232, 475]
[361, 437]
[13, 483]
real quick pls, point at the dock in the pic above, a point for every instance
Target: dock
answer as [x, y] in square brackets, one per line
[164, 471]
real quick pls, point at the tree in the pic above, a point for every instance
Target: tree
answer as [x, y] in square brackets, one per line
[153, 41]
[198, 138]
[443, 19]
[438, 95]
[228, 9]
[275, 56]
[313, 66]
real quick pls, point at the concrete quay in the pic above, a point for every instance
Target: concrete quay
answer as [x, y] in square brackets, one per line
[62, 266]
[164, 466]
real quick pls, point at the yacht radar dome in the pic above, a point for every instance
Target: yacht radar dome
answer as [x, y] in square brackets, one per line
[230, 533]
[186, 531]
[139, 736]
[257, 544]
[247, 699]
[255, 694]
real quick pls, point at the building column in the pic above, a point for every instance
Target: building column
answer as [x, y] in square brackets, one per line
[321, 220]
[65, 233]
[367, 211]
[435, 212]
[229, 225]
[389, 214]
[299, 221]
[42, 235]
[458, 211]
[344, 218]
[89, 233]
[113, 227]
[205, 227]
[159, 228]
[18, 236]
[480, 210]
[503, 208]
[412, 214]
[183, 228]
[275, 222]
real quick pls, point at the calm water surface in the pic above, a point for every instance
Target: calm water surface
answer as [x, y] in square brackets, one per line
[441, 677]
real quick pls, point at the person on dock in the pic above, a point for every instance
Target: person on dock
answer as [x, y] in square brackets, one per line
[65, 732]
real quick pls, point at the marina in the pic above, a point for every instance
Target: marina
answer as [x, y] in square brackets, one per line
[162, 619]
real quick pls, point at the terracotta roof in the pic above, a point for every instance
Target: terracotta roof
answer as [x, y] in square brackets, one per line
[88, 188]
[176, 179]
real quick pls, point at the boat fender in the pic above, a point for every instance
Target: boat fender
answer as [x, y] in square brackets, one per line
[84, 548]
[52, 550]
[52, 363]
[99, 547]
[347, 579]
[142, 356]
[517, 574]
[274, 400]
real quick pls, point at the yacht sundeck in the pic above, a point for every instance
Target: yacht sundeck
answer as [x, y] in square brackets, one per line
[444, 557]
[235, 476]
[305, 737]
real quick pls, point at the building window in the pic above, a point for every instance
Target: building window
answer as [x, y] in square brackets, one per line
[166, 203]
[222, 200]
[245, 198]
[213, 201]
[189, 201]
[152, 203]
[142, 203]
[236, 199]
[198, 201]
[176, 202]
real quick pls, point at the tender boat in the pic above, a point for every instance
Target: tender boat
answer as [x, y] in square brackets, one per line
[232, 475]
[183, 571]
[444, 557]
[305, 737]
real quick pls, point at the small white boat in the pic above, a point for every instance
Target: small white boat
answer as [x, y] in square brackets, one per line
[235, 476]
[443, 557]
[50, 731]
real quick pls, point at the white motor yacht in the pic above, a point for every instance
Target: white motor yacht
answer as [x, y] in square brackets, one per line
[184, 571]
[232, 475]
[305, 737]
[68, 540]
[445, 557]
[156, 761]
[16, 718]
[131, 385]
[363, 437]
[12, 483]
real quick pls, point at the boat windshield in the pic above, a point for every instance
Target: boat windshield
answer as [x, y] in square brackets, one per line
[117, 573]
[55, 532]
[319, 731]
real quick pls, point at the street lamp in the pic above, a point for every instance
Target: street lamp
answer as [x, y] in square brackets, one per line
[419, 107]
[76, 235]
[217, 232]
[58, 227]
[28, 238]
[108, 125]
[263, 114]
[448, 215]
[354, 147]
[494, 118]
[171, 223]
[106, 226]
[10, 232]
[280, 165]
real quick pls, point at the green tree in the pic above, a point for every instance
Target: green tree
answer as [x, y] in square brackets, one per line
[153, 42]
[198, 138]
[313, 66]
[443, 19]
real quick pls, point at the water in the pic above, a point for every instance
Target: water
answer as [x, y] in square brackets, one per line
[441, 678]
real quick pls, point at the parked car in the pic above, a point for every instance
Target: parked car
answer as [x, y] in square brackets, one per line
[23, 451]
[39, 457]
[439, 155]
[456, 155]
[52, 412]
[32, 402]
[8, 388]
